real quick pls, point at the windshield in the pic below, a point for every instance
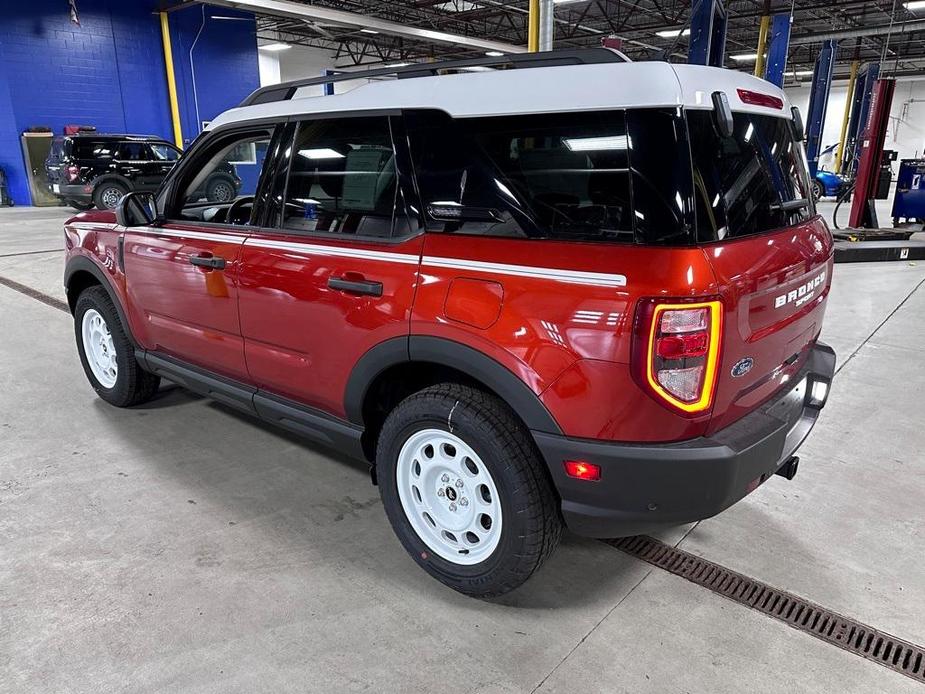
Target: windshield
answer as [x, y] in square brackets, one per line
[752, 182]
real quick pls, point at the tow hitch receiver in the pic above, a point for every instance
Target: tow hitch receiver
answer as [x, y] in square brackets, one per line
[789, 469]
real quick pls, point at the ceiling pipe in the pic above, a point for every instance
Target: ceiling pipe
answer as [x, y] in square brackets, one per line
[296, 10]
[547, 19]
[880, 30]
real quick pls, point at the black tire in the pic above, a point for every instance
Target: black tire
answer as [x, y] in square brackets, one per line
[133, 385]
[818, 191]
[80, 206]
[531, 522]
[220, 189]
[106, 195]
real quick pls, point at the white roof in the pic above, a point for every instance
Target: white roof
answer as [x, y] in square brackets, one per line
[556, 89]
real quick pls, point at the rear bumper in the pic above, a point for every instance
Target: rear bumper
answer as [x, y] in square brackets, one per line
[644, 487]
[73, 191]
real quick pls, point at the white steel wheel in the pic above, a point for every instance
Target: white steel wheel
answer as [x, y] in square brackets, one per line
[99, 348]
[449, 497]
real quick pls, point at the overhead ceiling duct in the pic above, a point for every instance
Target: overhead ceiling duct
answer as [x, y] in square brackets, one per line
[296, 10]
[896, 30]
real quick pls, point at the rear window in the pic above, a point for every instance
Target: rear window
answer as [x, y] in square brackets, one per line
[57, 148]
[568, 176]
[752, 182]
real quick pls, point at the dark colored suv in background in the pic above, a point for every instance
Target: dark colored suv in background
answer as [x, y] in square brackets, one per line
[87, 169]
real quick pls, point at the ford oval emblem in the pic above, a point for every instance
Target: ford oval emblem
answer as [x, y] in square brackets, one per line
[742, 367]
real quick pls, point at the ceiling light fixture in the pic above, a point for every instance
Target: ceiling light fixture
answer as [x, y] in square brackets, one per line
[673, 33]
[494, 54]
[745, 57]
[274, 47]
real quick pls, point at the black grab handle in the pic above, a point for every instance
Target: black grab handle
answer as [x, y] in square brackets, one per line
[356, 286]
[210, 261]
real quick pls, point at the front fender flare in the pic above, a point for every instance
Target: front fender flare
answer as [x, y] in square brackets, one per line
[81, 263]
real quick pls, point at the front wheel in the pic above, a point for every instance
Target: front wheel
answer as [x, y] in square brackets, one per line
[818, 190]
[106, 353]
[466, 491]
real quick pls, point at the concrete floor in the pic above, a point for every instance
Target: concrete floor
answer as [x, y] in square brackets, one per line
[182, 547]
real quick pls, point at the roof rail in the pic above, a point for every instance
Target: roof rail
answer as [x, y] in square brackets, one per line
[583, 56]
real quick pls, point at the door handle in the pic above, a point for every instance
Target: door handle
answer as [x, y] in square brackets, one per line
[364, 287]
[211, 262]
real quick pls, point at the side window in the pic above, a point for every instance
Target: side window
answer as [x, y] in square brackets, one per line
[342, 178]
[561, 176]
[225, 170]
[133, 151]
[164, 152]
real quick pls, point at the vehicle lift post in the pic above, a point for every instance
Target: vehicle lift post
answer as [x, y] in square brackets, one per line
[708, 34]
[778, 45]
[870, 147]
[819, 102]
[864, 240]
[860, 106]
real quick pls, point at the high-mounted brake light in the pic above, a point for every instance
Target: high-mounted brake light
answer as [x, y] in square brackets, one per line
[758, 99]
[677, 352]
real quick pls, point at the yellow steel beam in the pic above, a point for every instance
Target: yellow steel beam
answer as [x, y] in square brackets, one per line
[761, 60]
[171, 82]
[533, 27]
[849, 97]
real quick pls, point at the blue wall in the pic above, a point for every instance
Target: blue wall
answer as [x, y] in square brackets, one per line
[109, 72]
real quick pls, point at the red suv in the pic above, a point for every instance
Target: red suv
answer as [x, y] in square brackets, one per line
[564, 289]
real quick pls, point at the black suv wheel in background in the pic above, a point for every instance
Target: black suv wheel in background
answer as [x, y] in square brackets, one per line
[106, 195]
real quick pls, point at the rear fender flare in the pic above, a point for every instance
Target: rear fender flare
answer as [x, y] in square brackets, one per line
[435, 350]
[113, 178]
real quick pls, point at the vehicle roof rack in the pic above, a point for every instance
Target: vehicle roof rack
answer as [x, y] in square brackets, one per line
[583, 56]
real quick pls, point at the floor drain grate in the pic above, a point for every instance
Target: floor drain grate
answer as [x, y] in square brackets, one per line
[35, 294]
[846, 633]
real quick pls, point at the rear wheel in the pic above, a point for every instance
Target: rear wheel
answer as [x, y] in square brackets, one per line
[80, 206]
[106, 353]
[220, 189]
[465, 490]
[108, 194]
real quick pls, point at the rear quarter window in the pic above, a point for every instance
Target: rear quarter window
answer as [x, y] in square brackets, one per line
[94, 149]
[606, 176]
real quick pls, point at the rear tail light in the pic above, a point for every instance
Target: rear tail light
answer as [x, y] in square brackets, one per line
[72, 172]
[676, 352]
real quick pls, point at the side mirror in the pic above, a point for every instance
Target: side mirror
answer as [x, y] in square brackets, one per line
[799, 132]
[136, 210]
[722, 114]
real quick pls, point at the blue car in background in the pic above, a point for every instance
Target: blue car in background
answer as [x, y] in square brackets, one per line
[827, 184]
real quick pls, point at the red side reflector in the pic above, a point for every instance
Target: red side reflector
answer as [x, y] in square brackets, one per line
[758, 99]
[581, 470]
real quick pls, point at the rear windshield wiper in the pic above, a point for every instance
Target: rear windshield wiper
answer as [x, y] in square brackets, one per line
[790, 205]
